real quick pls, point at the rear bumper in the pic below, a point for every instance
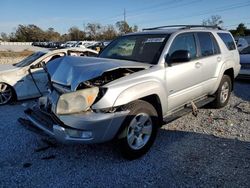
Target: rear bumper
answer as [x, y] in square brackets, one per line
[88, 127]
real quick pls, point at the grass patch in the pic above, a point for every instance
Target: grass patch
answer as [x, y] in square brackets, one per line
[11, 54]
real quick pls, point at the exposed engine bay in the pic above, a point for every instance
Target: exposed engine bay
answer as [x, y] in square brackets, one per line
[107, 77]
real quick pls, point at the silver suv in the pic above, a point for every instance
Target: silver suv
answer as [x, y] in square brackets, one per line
[138, 81]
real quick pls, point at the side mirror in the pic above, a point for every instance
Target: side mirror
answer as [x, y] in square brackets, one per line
[35, 66]
[179, 56]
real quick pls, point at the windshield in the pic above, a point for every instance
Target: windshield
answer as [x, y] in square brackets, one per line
[30, 59]
[142, 48]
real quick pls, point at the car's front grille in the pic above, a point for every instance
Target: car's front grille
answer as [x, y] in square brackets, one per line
[41, 117]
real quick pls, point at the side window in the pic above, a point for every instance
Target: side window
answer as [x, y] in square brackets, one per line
[184, 42]
[208, 44]
[228, 40]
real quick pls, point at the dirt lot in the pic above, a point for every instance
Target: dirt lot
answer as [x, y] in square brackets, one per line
[10, 54]
[211, 150]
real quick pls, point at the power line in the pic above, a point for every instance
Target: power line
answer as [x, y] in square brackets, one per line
[220, 9]
[154, 7]
[164, 9]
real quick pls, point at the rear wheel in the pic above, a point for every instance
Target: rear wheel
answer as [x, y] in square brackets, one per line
[139, 130]
[6, 93]
[223, 93]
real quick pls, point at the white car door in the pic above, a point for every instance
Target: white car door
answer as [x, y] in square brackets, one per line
[35, 82]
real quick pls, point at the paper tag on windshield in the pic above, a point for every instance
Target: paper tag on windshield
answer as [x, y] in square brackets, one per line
[155, 40]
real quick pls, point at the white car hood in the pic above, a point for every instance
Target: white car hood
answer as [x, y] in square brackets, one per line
[71, 71]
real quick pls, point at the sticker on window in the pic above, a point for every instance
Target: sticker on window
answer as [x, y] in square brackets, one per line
[155, 40]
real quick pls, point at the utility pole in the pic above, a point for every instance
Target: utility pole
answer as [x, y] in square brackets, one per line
[124, 14]
[124, 21]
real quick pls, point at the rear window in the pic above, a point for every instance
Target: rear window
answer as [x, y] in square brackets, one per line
[228, 40]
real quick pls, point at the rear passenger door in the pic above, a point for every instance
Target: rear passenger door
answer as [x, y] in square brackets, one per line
[209, 59]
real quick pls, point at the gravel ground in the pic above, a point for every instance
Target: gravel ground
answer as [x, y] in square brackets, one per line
[210, 150]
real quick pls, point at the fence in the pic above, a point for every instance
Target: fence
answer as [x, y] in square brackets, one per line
[16, 43]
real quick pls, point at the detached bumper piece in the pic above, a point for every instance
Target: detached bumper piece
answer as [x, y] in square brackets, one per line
[89, 127]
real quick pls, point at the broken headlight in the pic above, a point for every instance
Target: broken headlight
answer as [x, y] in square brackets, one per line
[77, 101]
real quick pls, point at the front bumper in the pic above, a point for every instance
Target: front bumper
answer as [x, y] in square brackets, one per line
[88, 127]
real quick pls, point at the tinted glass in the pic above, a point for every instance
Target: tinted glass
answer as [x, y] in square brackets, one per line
[206, 44]
[184, 42]
[141, 48]
[30, 59]
[215, 45]
[228, 40]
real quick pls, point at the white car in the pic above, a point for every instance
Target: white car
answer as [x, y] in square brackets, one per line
[28, 79]
[245, 63]
[241, 44]
[85, 44]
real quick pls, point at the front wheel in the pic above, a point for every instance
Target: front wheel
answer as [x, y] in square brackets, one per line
[139, 130]
[223, 93]
[6, 93]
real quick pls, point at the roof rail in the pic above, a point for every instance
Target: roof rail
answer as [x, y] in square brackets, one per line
[184, 27]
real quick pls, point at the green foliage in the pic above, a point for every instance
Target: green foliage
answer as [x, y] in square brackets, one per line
[214, 20]
[93, 31]
[124, 28]
[241, 30]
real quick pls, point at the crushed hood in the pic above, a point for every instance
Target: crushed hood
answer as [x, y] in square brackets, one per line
[71, 71]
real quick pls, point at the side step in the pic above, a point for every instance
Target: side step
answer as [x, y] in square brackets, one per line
[187, 109]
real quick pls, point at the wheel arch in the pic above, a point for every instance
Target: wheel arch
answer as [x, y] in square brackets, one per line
[230, 72]
[154, 100]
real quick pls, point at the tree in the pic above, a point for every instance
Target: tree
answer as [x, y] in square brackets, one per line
[52, 35]
[93, 30]
[124, 27]
[4, 36]
[241, 30]
[76, 34]
[215, 20]
[29, 33]
[108, 33]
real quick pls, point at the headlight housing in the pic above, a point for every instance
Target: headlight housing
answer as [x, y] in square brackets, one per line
[77, 101]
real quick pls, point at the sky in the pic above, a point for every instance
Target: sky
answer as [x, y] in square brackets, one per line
[63, 14]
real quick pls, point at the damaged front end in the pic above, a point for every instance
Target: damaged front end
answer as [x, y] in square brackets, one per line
[66, 112]
[69, 118]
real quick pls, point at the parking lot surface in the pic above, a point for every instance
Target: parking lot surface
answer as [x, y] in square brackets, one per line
[210, 150]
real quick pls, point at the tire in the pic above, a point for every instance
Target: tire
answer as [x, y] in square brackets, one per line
[222, 95]
[7, 93]
[139, 130]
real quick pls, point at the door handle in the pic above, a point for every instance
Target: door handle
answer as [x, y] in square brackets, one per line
[218, 59]
[197, 65]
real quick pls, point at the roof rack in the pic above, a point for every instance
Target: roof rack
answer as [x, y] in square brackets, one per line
[184, 27]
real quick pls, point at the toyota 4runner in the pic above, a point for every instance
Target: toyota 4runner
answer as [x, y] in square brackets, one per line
[138, 81]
